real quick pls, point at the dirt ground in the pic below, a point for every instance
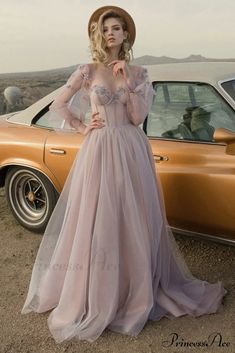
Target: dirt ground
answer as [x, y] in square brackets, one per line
[29, 333]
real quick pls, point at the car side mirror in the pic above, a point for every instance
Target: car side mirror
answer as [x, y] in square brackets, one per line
[226, 136]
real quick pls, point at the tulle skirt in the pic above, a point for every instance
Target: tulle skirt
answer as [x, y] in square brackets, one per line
[108, 258]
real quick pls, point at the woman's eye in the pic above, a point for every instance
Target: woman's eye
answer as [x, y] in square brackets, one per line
[115, 28]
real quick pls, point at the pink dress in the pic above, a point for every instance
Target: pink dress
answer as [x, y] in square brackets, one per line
[108, 258]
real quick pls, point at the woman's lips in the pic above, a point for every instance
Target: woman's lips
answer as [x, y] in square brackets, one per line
[110, 39]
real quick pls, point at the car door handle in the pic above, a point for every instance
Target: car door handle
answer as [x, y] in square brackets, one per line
[158, 158]
[57, 151]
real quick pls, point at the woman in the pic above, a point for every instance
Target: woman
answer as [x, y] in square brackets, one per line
[108, 258]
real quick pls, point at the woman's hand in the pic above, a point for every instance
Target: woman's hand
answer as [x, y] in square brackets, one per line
[96, 123]
[120, 66]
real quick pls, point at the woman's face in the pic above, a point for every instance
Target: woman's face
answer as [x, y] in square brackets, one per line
[113, 32]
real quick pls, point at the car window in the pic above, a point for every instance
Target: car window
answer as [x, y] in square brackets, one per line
[229, 87]
[44, 121]
[188, 111]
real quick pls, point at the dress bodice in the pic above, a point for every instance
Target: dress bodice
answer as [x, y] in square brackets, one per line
[112, 106]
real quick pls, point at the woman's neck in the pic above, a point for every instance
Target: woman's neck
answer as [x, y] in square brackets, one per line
[113, 54]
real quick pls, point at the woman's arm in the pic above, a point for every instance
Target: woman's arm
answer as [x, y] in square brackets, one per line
[141, 95]
[60, 104]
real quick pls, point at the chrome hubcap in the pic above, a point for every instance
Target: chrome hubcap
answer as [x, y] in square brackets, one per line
[29, 197]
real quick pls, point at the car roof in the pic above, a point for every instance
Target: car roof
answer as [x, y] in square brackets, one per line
[25, 116]
[211, 72]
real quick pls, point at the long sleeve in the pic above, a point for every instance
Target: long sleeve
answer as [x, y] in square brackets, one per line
[141, 95]
[69, 107]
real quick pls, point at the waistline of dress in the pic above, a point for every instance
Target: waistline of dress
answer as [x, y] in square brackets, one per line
[116, 126]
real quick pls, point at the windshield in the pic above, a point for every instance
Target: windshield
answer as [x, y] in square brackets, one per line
[229, 87]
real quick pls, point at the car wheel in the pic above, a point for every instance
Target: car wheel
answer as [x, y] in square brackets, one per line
[31, 197]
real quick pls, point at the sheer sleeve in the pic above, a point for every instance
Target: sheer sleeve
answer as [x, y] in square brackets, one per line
[70, 106]
[141, 95]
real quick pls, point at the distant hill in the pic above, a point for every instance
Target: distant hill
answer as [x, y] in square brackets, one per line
[153, 60]
[58, 71]
[142, 60]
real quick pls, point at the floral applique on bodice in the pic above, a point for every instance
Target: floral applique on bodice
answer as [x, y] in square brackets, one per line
[106, 96]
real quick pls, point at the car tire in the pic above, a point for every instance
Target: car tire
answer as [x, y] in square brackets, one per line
[31, 197]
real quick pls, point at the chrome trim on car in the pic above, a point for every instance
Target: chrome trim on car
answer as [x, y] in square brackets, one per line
[224, 91]
[57, 151]
[159, 158]
[185, 141]
[203, 236]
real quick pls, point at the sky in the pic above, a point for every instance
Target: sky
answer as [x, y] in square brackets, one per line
[47, 34]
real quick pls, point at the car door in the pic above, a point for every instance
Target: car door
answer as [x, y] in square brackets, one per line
[60, 152]
[197, 175]
[61, 146]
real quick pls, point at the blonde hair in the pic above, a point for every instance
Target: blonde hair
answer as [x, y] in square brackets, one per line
[98, 42]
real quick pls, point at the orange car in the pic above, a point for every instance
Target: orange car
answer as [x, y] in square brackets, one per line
[191, 128]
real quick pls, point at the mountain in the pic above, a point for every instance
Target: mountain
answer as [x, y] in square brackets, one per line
[142, 60]
[153, 60]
